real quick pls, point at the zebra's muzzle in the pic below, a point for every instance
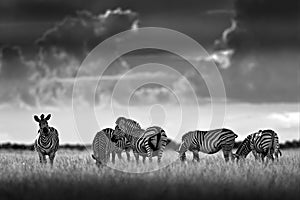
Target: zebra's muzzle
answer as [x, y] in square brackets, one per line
[45, 130]
[114, 139]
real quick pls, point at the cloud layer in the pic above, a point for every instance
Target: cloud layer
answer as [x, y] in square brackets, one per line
[42, 81]
[258, 63]
[265, 64]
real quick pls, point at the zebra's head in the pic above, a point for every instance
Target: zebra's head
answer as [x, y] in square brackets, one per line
[118, 134]
[43, 122]
[244, 148]
[125, 124]
[120, 122]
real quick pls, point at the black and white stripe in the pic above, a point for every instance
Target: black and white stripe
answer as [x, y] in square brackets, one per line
[47, 142]
[208, 142]
[261, 144]
[103, 146]
[150, 142]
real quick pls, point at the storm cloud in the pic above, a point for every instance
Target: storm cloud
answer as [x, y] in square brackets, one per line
[264, 38]
[61, 49]
[257, 54]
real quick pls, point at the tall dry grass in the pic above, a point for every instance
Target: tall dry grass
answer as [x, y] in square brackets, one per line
[75, 176]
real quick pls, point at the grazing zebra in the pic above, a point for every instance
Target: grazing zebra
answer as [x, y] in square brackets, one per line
[103, 147]
[277, 151]
[208, 142]
[47, 141]
[150, 142]
[262, 143]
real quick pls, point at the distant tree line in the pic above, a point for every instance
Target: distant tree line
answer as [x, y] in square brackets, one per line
[171, 145]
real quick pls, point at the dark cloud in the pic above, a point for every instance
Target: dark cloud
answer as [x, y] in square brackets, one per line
[61, 50]
[23, 21]
[12, 56]
[14, 75]
[257, 55]
[76, 36]
[56, 9]
[265, 63]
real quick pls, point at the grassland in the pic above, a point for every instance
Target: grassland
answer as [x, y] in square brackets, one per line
[75, 176]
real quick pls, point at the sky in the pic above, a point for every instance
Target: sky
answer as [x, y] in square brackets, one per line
[254, 44]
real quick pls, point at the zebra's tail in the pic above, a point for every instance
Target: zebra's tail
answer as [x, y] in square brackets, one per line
[230, 132]
[272, 145]
[234, 134]
[279, 152]
[162, 144]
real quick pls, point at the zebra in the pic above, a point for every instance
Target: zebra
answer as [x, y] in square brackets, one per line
[147, 143]
[209, 142]
[103, 147]
[277, 151]
[47, 142]
[262, 143]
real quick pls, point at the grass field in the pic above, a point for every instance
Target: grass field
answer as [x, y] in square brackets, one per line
[75, 176]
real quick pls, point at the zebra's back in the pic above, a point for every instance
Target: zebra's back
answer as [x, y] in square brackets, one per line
[267, 140]
[102, 145]
[210, 141]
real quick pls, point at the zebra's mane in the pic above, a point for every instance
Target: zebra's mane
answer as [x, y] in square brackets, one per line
[132, 128]
[136, 125]
[268, 130]
[188, 134]
[132, 122]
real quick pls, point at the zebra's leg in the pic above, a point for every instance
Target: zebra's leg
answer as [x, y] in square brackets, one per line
[162, 148]
[144, 159]
[262, 156]
[232, 156]
[270, 157]
[51, 158]
[151, 155]
[113, 157]
[196, 155]
[119, 154]
[227, 151]
[136, 155]
[226, 155]
[42, 158]
[277, 154]
[255, 154]
[149, 151]
[182, 157]
[106, 158]
[182, 150]
[127, 151]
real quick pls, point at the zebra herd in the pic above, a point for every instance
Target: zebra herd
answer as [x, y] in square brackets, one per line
[128, 135]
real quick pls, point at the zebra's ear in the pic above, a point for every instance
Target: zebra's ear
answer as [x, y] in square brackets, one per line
[36, 118]
[120, 120]
[48, 117]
